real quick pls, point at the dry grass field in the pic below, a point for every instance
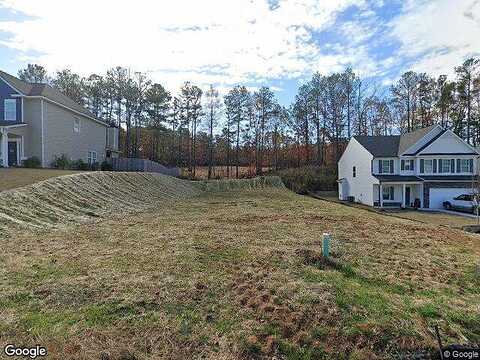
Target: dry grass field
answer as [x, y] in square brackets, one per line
[12, 178]
[234, 271]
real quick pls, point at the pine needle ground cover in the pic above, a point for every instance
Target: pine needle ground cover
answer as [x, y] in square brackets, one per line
[232, 271]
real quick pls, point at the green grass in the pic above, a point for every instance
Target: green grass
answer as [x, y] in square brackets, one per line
[223, 274]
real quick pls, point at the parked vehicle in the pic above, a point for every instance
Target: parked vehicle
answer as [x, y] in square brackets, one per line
[464, 202]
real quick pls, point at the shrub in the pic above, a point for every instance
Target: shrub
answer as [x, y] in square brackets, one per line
[61, 162]
[32, 162]
[80, 165]
[309, 178]
[106, 166]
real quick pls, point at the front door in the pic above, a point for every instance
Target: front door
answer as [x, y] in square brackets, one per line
[407, 196]
[12, 153]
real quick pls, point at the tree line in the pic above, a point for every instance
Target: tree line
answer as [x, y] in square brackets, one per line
[198, 127]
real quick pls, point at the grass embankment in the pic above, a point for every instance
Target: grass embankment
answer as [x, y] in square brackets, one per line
[238, 274]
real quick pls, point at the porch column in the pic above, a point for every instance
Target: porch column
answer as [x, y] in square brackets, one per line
[403, 196]
[4, 147]
[380, 194]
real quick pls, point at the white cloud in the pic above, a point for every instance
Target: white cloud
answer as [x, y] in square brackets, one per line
[177, 40]
[439, 34]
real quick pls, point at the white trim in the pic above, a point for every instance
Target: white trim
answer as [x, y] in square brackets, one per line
[433, 128]
[23, 147]
[13, 126]
[23, 117]
[9, 101]
[68, 108]
[18, 141]
[10, 85]
[43, 133]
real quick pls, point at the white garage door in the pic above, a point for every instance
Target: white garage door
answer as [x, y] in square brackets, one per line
[438, 196]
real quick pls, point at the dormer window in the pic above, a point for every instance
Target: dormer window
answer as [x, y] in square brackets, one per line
[10, 110]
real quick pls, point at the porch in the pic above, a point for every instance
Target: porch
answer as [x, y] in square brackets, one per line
[398, 195]
[11, 148]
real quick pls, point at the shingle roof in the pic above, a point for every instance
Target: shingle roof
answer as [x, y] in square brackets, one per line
[380, 146]
[392, 146]
[398, 178]
[409, 139]
[46, 91]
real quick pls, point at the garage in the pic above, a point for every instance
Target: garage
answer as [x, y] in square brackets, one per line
[439, 195]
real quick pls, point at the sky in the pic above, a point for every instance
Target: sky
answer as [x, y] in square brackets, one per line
[276, 43]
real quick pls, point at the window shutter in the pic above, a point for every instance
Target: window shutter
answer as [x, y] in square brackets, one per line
[391, 167]
[412, 165]
[434, 166]
[380, 167]
[440, 163]
[402, 165]
[422, 166]
[458, 166]
[392, 193]
[470, 165]
[452, 166]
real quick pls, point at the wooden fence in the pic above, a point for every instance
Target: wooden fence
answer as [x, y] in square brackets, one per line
[142, 165]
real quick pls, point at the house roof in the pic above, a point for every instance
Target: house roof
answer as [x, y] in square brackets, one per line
[398, 178]
[380, 146]
[409, 139]
[392, 146]
[45, 90]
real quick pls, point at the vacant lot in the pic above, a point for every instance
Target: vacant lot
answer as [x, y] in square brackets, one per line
[238, 274]
[13, 178]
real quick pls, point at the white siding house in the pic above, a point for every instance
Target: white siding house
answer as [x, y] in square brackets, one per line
[421, 169]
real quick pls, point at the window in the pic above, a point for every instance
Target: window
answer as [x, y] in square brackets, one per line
[444, 165]
[385, 166]
[10, 110]
[388, 193]
[354, 170]
[92, 157]
[408, 165]
[463, 165]
[76, 125]
[428, 166]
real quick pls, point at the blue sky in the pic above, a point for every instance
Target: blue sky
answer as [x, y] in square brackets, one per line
[278, 43]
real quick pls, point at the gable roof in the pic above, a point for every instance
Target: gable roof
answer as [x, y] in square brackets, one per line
[380, 146]
[46, 91]
[409, 139]
[394, 145]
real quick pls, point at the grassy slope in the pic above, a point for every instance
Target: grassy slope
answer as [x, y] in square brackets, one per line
[237, 274]
[12, 178]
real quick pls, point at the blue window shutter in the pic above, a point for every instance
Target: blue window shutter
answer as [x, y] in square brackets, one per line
[392, 193]
[440, 162]
[412, 164]
[380, 167]
[422, 166]
[458, 165]
[434, 166]
[402, 165]
[470, 165]
[452, 166]
[391, 167]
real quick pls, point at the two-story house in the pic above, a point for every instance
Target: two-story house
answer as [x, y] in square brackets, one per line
[37, 120]
[424, 168]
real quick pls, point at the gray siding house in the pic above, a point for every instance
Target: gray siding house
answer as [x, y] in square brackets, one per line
[37, 120]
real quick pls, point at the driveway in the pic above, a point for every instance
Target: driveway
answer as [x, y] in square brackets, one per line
[436, 217]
